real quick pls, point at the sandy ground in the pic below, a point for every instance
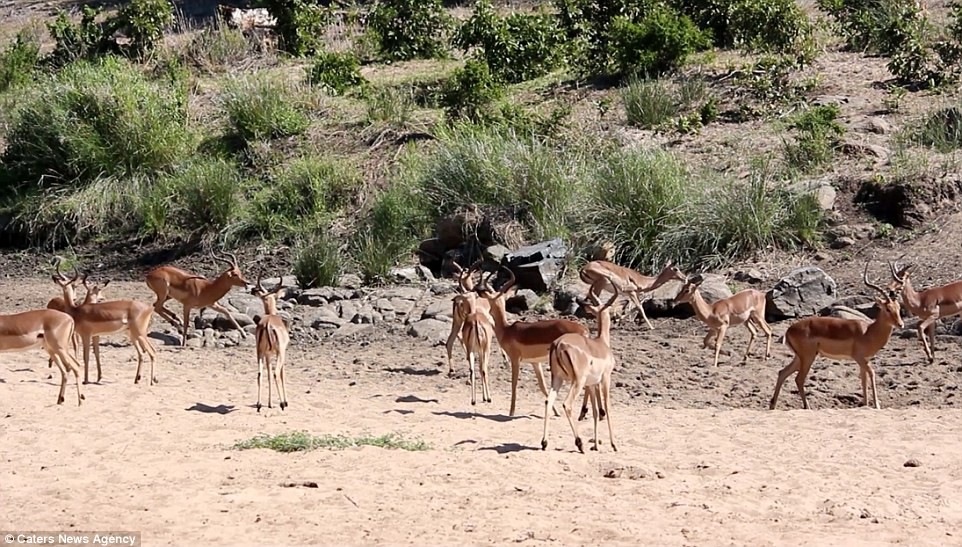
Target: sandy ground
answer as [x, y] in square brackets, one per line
[160, 460]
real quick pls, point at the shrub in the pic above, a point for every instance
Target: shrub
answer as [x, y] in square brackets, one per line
[95, 119]
[878, 27]
[469, 92]
[392, 105]
[776, 26]
[588, 25]
[410, 29]
[818, 137]
[336, 72]
[302, 195]
[300, 24]
[518, 47]
[656, 44]
[649, 103]
[942, 129]
[215, 48]
[205, 197]
[18, 60]
[143, 22]
[260, 107]
[73, 42]
[391, 229]
[318, 261]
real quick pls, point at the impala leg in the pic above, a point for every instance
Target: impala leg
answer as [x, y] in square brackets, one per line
[539, 373]
[277, 384]
[270, 372]
[95, 341]
[515, 371]
[85, 340]
[922, 328]
[805, 365]
[471, 376]
[719, 339]
[760, 321]
[606, 409]
[183, 339]
[140, 355]
[485, 392]
[595, 409]
[584, 408]
[226, 313]
[633, 297]
[577, 386]
[932, 337]
[63, 378]
[868, 373]
[863, 379]
[260, 373]
[556, 382]
[782, 376]
[709, 340]
[282, 386]
[751, 340]
[152, 353]
[454, 335]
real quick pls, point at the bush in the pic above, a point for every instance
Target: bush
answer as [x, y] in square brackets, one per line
[336, 72]
[143, 22]
[73, 42]
[469, 92]
[95, 119]
[392, 105]
[818, 137]
[261, 107]
[518, 47]
[391, 230]
[300, 24]
[410, 29]
[653, 210]
[775, 26]
[18, 60]
[318, 262]
[303, 195]
[941, 130]
[649, 103]
[205, 197]
[216, 48]
[877, 27]
[658, 43]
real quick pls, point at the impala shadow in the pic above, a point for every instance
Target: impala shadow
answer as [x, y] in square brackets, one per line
[501, 418]
[414, 371]
[207, 409]
[507, 448]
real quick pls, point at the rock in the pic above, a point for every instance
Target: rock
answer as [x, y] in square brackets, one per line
[402, 293]
[439, 309]
[842, 242]
[324, 318]
[566, 300]
[347, 309]
[523, 300]
[803, 292]
[864, 305]
[866, 149]
[956, 328]
[844, 312]
[432, 329]
[247, 303]
[495, 253]
[411, 274]
[537, 266]
[452, 229]
[315, 297]
[750, 276]
[821, 189]
[350, 281]
[353, 330]
[431, 252]
[874, 124]
[912, 463]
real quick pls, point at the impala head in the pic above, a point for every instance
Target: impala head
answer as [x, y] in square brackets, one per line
[232, 273]
[669, 273]
[93, 292]
[487, 292]
[596, 309]
[887, 301]
[688, 290]
[66, 283]
[260, 292]
[900, 275]
[466, 277]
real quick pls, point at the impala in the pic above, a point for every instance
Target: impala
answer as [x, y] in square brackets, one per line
[599, 273]
[49, 329]
[524, 342]
[929, 305]
[477, 332]
[746, 307]
[460, 305]
[57, 303]
[587, 364]
[272, 341]
[194, 292]
[96, 319]
[836, 338]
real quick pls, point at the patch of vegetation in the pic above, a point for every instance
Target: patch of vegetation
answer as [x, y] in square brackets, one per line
[318, 260]
[215, 49]
[657, 43]
[298, 441]
[391, 105]
[260, 107]
[775, 26]
[516, 47]
[649, 103]
[818, 136]
[18, 60]
[470, 91]
[410, 29]
[143, 23]
[85, 40]
[335, 72]
[300, 24]
[941, 129]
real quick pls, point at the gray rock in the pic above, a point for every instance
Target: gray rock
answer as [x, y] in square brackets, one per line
[411, 274]
[821, 189]
[350, 281]
[537, 266]
[432, 329]
[315, 297]
[401, 306]
[496, 253]
[347, 309]
[749, 276]
[866, 149]
[406, 293]
[246, 303]
[439, 309]
[353, 330]
[523, 300]
[842, 242]
[803, 292]
[861, 303]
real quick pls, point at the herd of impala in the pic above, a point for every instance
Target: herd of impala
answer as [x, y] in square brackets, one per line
[478, 318]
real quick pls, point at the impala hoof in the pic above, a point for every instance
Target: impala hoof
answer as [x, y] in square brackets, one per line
[258, 407]
[283, 405]
[580, 445]
[83, 397]
[544, 444]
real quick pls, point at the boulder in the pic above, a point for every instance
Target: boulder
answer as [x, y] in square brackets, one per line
[537, 266]
[433, 330]
[523, 300]
[803, 292]
[411, 274]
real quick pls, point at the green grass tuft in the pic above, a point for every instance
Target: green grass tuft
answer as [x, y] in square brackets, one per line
[299, 441]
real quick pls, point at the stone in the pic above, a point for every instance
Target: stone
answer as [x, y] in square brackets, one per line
[353, 330]
[566, 300]
[495, 253]
[801, 293]
[433, 330]
[749, 276]
[408, 274]
[536, 266]
[431, 252]
[874, 124]
[350, 281]
[865, 149]
[821, 189]
[523, 300]
[842, 242]
[347, 309]
[439, 309]
[862, 304]
[315, 297]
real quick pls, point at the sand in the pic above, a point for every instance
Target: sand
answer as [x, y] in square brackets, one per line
[160, 460]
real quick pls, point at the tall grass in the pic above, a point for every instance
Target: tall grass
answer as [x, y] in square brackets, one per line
[397, 220]
[391, 105]
[261, 107]
[217, 48]
[940, 129]
[205, 197]
[650, 103]
[93, 120]
[319, 261]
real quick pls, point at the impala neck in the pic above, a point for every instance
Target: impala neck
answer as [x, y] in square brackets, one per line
[69, 297]
[499, 315]
[879, 332]
[270, 306]
[910, 298]
[219, 287]
[702, 309]
[604, 327]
